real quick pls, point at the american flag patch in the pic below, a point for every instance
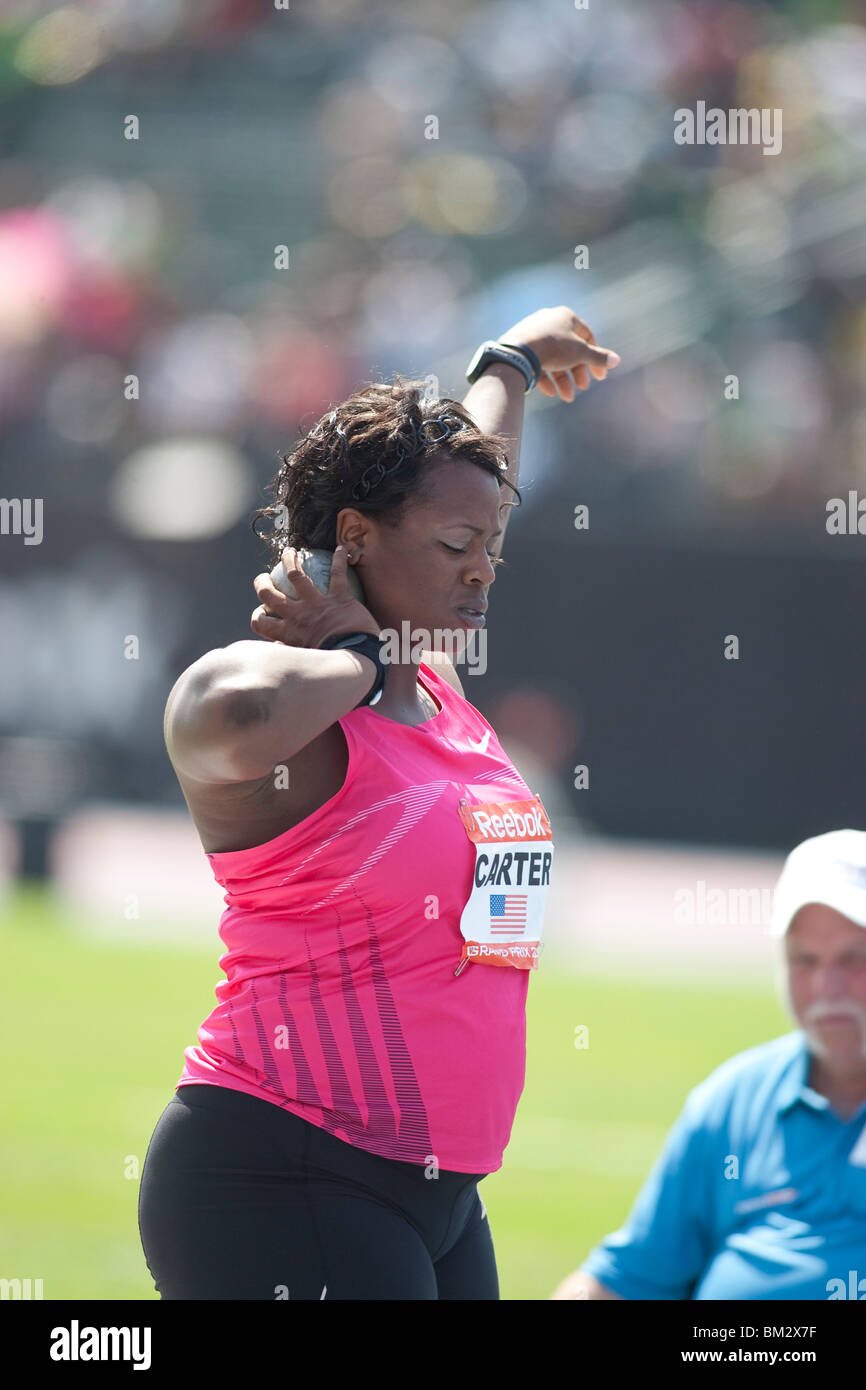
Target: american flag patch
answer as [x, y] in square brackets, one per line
[507, 914]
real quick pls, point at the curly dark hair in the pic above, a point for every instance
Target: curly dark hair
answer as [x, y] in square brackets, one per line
[335, 465]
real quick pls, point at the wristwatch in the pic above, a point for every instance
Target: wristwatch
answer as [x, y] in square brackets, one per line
[515, 354]
[368, 644]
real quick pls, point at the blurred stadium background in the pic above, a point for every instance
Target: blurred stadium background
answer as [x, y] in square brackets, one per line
[154, 257]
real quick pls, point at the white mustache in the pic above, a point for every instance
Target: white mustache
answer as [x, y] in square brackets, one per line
[816, 1012]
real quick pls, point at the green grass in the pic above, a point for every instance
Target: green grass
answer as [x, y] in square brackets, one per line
[93, 1037]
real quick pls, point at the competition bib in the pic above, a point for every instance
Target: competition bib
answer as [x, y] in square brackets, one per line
[503, 919]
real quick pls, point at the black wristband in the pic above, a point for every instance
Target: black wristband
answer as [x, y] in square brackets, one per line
[496, 350]
[366, 644]
[530, 356]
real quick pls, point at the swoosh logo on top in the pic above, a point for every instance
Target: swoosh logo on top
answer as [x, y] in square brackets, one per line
[482, 745]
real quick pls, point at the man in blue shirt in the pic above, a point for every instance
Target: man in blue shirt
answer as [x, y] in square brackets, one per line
[760, 1190]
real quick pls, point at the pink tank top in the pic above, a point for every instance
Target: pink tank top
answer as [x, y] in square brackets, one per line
[351, 997]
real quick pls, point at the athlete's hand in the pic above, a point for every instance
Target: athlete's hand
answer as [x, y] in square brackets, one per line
[311, 617]
[565, 347]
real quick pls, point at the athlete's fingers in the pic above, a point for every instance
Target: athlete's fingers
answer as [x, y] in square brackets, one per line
[564, 383]
[598, 371]
[265, 624]
[545, 385]
[339, 566]
[297, 575]
[269, 595]
[581, 377]
[598, 359]
[566, 353]
[583, 330]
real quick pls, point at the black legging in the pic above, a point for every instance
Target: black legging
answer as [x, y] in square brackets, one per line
[240, 1199]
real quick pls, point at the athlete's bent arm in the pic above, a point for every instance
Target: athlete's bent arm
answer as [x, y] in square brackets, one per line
[496, 402]
[569, 355]
[241, 709]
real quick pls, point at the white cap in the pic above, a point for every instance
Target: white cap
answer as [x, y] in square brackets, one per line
[829, 869]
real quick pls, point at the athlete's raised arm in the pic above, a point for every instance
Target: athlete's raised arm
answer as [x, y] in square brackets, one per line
[567, 354]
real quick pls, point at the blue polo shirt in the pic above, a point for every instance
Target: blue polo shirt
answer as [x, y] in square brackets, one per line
[759, 1192]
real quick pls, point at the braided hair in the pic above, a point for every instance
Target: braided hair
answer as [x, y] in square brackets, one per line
[371, 453]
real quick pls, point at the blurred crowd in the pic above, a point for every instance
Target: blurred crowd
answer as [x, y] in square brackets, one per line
[218, 217]
[310, 127]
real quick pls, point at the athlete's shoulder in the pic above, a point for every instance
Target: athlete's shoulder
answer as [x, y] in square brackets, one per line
[192, 694]
[211, 667]
[444, 667]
